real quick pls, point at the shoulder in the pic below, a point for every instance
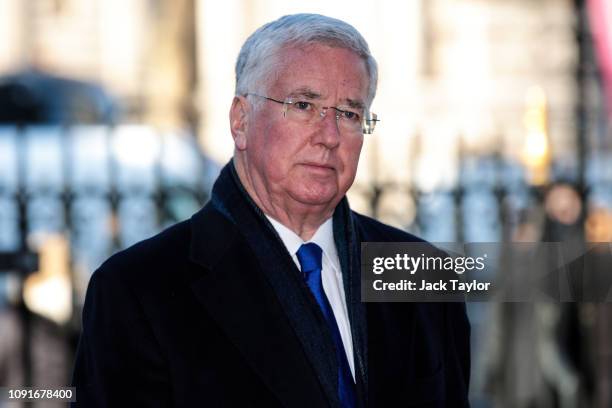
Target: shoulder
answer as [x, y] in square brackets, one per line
[376, 231]
[147, 259]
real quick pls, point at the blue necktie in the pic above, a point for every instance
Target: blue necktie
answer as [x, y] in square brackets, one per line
[310, 257]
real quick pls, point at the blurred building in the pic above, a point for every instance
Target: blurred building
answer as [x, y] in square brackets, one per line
[141, 51]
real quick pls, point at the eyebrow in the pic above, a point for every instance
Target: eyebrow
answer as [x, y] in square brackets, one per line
[355, 104]
[306, 93]
[309, 93]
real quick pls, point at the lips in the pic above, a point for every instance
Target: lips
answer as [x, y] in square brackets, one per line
[319, 166]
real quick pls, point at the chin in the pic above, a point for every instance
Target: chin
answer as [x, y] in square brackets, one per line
[316, 197]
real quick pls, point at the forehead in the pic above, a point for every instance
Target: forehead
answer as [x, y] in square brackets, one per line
[330, 72]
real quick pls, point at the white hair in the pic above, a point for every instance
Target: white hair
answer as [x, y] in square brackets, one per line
[258, 53]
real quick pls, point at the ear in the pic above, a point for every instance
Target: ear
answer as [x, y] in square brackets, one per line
[239, 121]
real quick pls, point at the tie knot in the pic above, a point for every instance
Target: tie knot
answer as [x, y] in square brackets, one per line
[310, 255]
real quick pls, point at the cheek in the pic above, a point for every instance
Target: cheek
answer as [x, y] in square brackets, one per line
[277, 152]
[285, 144]
[350, 158]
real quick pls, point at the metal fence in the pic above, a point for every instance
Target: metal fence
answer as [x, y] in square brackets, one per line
[70, 197]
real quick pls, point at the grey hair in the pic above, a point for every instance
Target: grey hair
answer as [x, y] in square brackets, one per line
[257, 55]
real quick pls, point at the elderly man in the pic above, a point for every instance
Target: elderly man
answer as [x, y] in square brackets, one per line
[255, 301]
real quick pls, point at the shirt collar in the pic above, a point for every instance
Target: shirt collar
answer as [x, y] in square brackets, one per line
[324, 237]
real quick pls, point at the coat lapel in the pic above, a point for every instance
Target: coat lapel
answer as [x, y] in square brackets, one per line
[347, 241]
[235, 294]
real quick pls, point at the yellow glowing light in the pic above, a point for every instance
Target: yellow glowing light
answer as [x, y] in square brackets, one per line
[536, 150]
[48, 292]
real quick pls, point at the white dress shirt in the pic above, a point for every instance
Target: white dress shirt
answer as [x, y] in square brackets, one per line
[331, 275]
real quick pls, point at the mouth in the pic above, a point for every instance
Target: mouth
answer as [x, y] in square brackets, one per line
[319, 166]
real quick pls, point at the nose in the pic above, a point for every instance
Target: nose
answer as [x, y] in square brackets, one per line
[328, 132]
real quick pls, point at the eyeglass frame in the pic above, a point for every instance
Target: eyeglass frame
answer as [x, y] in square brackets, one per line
[367, 125]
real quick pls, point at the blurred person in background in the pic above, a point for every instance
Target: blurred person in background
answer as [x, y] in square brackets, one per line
[255, 301]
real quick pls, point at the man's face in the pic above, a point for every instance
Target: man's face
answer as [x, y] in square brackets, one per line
[313, 165]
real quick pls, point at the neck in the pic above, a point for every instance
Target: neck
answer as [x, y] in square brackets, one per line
[300, 218]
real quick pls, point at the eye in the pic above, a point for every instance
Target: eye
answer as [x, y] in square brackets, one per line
[302, 105]
[352, 116]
